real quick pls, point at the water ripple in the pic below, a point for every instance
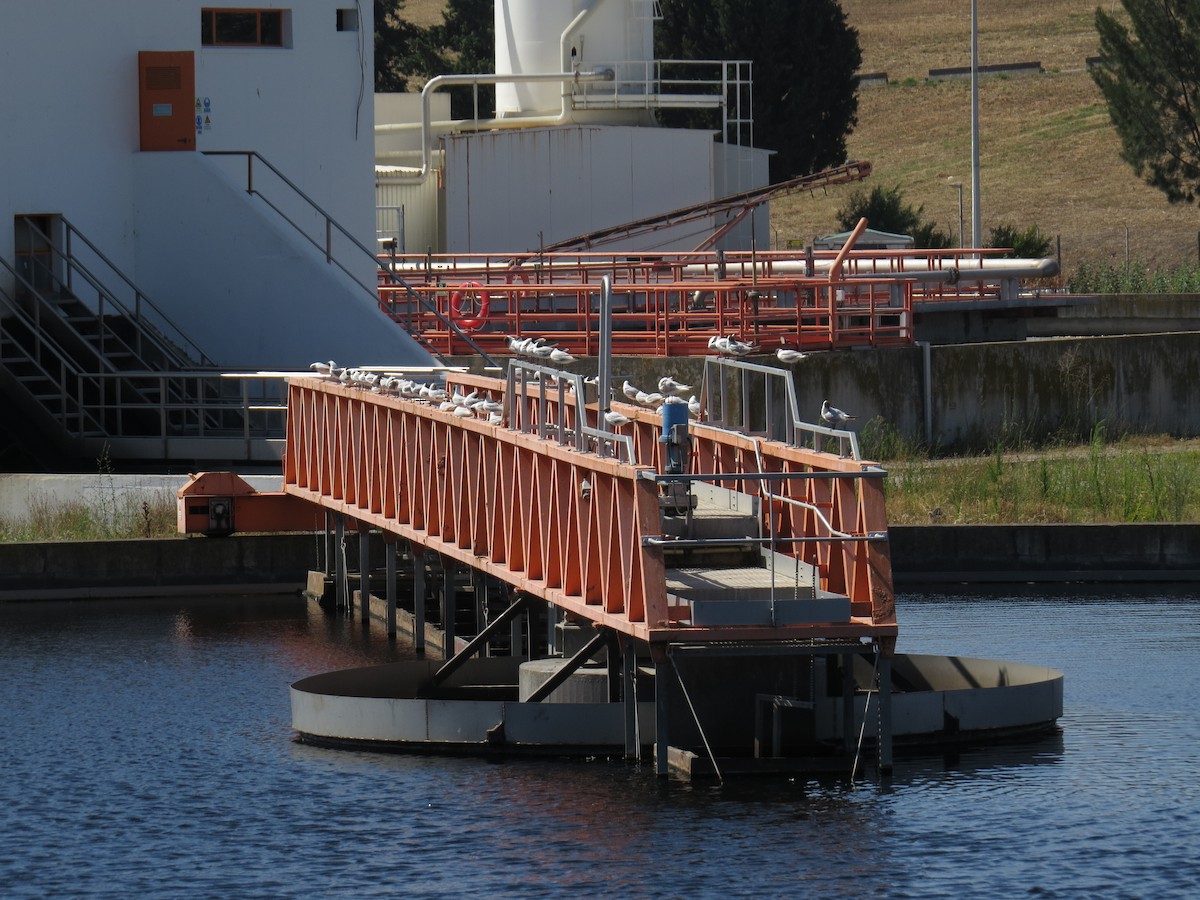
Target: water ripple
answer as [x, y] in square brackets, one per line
[148, 751]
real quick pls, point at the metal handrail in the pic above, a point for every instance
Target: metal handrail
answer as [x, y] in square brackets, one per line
[140, 298]
[516, 388]
[715, 387]
[68, 369]
[330, 226]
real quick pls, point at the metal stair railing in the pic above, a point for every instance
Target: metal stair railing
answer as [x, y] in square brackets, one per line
[334, 234]
[149, 404]
[72, 386]
[152, 325]
[97, 353]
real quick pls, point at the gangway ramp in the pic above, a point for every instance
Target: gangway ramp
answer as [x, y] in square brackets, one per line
[587, 532]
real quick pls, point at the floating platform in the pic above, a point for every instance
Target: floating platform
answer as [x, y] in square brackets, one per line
[937, 701]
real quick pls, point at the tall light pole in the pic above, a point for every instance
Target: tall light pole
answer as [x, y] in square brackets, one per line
[976, 237]
[959, 185]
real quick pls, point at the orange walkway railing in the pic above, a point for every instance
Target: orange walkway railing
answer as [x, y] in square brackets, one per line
[579, 529]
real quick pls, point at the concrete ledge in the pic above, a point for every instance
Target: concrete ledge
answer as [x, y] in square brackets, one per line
[155, 567]
[281, 562]
[1044, 553]
[1018, 68]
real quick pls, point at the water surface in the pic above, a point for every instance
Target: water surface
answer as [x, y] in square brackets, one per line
[147, 750]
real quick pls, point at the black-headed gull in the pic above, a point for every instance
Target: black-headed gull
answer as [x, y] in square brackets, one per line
[831, 415]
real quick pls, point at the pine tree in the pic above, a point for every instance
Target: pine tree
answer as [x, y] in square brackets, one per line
[805, 58]
[1150, 80]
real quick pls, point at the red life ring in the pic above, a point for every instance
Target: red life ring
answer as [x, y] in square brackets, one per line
[470, 306]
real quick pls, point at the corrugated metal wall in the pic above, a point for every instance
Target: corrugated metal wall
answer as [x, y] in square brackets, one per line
[415, 206]
[518, 190]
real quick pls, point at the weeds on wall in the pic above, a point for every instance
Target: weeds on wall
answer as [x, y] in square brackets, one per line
[1134, 278]
[1130, 480]
[108, 514]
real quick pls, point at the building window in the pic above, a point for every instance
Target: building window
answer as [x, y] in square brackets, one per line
[241, 27]
[347, 20]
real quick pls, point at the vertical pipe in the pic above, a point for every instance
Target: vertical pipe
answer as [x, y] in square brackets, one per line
[613, 664]
[516, 632]
[339, 551]
[418, 600]
[389, 554]
[975, 215]
[849, 686]
[661, 731]
[364, 576]
[885, 715]
[449, 607]
[479, 595]
[633, 739]
[604, 379]
[328, 552]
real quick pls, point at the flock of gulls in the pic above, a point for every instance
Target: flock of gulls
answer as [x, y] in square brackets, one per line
[471, 405]
[475, 405]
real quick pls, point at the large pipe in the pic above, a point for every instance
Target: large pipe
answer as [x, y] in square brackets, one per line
[835, 271]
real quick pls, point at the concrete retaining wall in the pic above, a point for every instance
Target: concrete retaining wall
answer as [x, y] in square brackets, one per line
[988, 393]
[1044, 553]
[153, 568]
[280, 563]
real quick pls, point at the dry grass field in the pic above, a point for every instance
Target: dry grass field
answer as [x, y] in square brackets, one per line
[1048, 154]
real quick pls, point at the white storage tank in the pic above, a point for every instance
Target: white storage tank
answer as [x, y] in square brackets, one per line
[603, 34]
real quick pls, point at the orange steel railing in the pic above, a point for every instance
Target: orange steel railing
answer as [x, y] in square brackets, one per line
[670, 305]
[576, 528]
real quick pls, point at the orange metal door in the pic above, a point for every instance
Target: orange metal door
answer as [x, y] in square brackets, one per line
[166, 99]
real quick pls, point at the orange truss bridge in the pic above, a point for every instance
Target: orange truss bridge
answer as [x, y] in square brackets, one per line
[685, 539]
[571, 513]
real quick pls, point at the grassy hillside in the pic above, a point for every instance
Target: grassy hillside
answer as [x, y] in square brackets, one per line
[1048, 154]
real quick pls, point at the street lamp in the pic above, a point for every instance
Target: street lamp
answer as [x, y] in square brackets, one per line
[975, 218]
[959, 185]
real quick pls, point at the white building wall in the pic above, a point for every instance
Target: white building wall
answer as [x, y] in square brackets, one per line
[518, 190]
[69, 131]
[302, 310]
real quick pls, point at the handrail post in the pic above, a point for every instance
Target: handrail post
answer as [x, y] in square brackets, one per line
[250, 172]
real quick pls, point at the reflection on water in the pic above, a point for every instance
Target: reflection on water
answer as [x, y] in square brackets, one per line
[147, 749]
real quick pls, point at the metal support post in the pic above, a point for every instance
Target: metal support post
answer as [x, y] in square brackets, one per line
[449, 607]
[885, 715]
[418, 559]
[341, 588]
[516, 637]
[613, 664]
[848, 688]
[328, 546]
[364, 576]
[662, 737]
[390, 547]
[633, 738]
[479, 595]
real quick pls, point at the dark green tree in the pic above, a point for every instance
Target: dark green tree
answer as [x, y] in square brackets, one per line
[467, 37]
[1027, 244]
[805, 58]
[403, 51]
[1151, 82]
[885, 210]
[406, 56]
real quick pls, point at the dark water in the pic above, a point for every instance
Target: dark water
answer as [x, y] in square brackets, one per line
[145, 750]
